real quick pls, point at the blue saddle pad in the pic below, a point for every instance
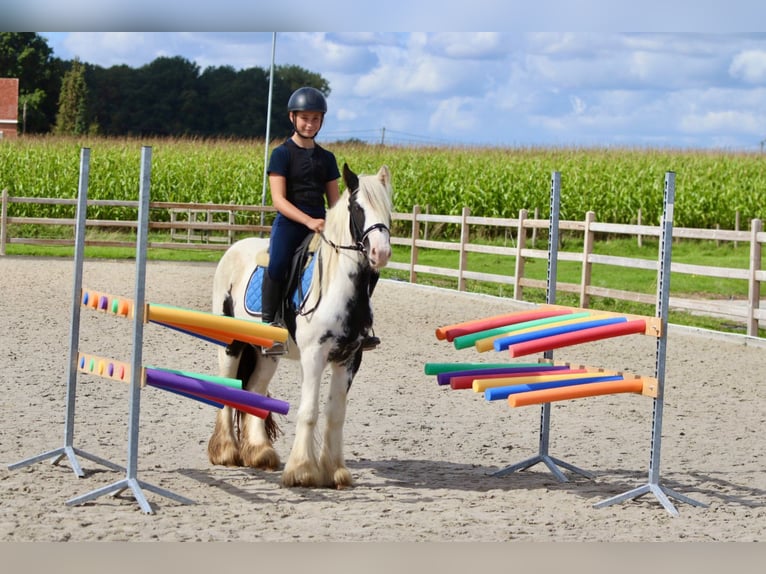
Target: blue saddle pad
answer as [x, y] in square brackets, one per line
[253, 292]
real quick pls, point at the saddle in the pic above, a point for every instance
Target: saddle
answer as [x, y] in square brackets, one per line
[298, 280]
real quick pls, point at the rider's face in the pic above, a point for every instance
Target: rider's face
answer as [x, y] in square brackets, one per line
[307, 124]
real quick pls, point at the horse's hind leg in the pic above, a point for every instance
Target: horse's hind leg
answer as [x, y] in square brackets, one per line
[223, 447]
[331, 461]
[256, 448]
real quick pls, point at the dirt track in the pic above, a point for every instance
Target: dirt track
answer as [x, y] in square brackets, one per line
[421, 456]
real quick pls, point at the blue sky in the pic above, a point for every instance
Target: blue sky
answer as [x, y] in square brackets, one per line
[687, 76]
[688, 90]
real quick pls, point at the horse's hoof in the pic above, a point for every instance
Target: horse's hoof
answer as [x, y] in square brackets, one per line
[227, 455]
[342, 478]
[260, 456]
[301, 476]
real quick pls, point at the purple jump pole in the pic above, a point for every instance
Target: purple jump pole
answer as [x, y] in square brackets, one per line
[186, 384]
[446, 378]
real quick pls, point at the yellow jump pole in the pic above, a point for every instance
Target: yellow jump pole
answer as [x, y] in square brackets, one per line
[185, 317]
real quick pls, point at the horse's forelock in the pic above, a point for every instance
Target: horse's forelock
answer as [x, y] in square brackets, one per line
[378, 196]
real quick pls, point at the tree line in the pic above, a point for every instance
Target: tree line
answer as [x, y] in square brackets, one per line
[170, 96]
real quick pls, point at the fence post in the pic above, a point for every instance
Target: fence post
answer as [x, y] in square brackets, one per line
[464, 239]
[414, 243]
[753, 285]
[521, 244]
[3, 221]
[638, 222]
[587, 266]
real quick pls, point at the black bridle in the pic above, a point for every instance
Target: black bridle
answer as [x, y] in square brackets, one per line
[358, 233]
[356, 226]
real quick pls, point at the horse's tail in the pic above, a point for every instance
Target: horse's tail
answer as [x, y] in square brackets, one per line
[247, 360]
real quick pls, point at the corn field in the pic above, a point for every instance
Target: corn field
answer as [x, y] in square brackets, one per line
[711, 187]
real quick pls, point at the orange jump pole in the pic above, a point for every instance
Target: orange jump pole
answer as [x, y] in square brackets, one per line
[577, 337]
[218, 336]
[576, 392]
[449, 332]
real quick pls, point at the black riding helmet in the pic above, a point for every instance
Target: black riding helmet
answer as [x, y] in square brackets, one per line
[307, 99]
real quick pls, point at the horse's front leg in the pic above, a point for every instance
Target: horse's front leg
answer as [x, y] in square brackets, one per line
[302, 468]
[331, 460]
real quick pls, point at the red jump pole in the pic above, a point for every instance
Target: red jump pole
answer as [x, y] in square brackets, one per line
[577, 337]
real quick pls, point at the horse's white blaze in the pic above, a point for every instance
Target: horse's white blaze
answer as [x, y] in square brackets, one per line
[380, 248]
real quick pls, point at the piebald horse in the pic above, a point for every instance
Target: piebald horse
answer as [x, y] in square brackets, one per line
[330, 322]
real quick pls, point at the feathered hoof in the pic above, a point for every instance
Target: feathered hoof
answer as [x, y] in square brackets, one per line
[223, 453]
[259, 456]
[304, 475]
[341, 479]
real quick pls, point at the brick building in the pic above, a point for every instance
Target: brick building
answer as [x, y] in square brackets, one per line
[9, 107]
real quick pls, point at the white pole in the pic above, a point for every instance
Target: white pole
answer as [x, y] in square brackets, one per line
[268, 125]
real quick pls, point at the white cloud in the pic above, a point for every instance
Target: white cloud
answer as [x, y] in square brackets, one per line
[750, 66]
[723, 122]
[578, 105]
[453, 115]
[691, 89]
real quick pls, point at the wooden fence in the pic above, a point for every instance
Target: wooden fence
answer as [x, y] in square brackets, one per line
[207, 233]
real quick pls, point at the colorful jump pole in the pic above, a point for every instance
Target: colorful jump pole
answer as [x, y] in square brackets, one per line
[498, 393]
[578, 337]
[449, 332]
[569, 392]
[466, 381]
[569, 327]
[484, 340]
[209, 389]
[208, 322]
[206, 389]
[215, 328]
[481, 385]
[437, 368]
[448, 377]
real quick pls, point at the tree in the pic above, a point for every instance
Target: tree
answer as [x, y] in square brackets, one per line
[27, 56]
[72, 118]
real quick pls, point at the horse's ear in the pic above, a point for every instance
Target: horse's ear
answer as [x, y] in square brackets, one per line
[384, 175]
[351, 179]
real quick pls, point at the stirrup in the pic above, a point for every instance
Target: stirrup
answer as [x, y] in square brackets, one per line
[370, 342]
[277, 348]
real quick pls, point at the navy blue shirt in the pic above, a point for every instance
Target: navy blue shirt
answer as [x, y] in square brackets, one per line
[307, 171]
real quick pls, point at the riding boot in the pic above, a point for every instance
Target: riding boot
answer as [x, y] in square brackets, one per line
[272, 306]
[370, 341]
